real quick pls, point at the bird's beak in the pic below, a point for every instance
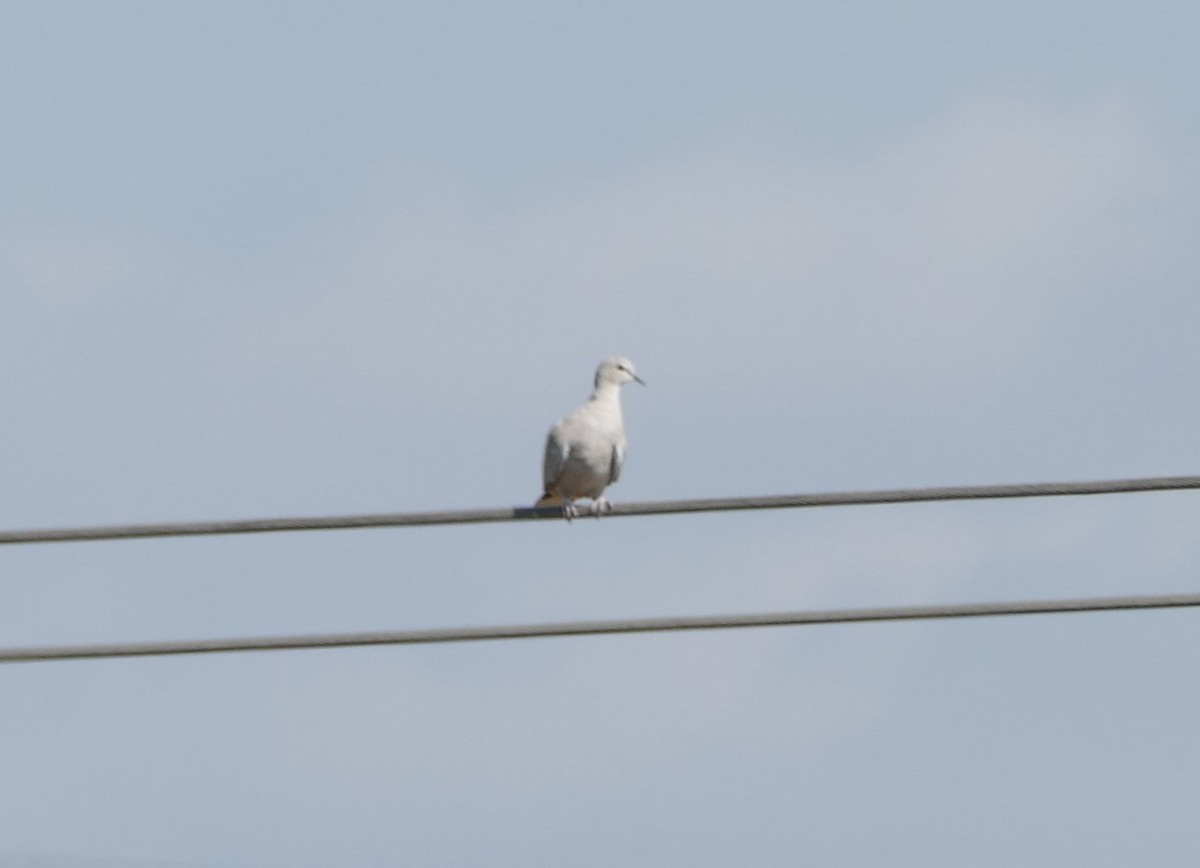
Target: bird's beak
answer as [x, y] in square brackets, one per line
[639, 379]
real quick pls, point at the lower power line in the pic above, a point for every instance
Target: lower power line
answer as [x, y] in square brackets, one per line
[597, 628]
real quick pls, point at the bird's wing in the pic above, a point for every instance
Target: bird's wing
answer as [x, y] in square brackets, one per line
[555, 458]
[618, 461]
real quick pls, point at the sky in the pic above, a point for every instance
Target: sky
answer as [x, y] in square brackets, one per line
[312, 258]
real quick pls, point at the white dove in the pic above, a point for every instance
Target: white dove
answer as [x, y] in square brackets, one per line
[585, 450]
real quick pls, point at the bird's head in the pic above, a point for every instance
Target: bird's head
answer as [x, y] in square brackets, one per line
[618, 370]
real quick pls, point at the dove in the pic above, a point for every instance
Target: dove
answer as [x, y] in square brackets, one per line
[586, 449]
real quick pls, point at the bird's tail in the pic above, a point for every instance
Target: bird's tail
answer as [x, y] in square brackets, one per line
[549, 499]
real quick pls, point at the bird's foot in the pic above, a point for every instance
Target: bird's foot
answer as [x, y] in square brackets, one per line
[569, 510]
[600, 506]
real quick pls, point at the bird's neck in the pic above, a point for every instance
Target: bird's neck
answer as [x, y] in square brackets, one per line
[608, 392]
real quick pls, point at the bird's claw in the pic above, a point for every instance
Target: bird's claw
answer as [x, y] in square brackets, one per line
[600, 506]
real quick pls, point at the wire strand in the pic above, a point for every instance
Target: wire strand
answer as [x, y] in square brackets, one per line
[597, 628]
[660, 507]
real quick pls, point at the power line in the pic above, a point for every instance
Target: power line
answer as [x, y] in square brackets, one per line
[596, 628]
[659, 507]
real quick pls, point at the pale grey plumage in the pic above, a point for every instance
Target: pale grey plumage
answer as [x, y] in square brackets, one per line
[586, 450]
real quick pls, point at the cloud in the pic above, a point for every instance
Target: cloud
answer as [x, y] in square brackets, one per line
[941, 257]
[64, 271]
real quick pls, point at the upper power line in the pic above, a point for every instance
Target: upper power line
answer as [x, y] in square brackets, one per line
[659, 507]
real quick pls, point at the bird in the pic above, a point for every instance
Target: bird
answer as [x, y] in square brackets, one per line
[586, 449]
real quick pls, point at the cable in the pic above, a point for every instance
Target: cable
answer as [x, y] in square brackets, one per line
[596, 628]
[660, 507]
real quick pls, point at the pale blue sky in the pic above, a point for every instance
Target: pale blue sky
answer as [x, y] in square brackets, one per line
[313, 258]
